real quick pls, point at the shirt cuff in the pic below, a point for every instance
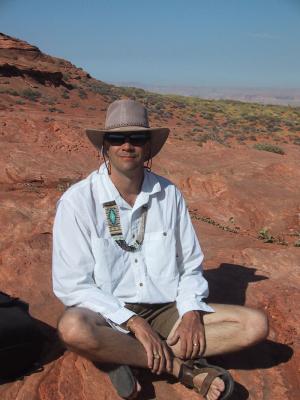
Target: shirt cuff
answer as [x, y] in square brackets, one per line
[192, 304]
[120, 316]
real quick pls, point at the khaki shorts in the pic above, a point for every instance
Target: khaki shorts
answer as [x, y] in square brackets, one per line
[161, 317]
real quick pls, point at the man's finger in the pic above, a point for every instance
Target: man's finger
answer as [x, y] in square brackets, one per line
[150, 357]
[174, 339]
[156, 362]
[189, 348]
[169, 359]
[162, 364]
[202, 345]
[196, 348]
[182, 349]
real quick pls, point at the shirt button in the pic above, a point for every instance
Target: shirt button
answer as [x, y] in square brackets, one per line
[133, 236]
[141, 284]
[165, 233]
[136, 260]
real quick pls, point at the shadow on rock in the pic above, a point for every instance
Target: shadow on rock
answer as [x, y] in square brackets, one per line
[263, 355]
[239, 392]
[228, 285]
[229, 282]
[52, 346]
[146, 380]
[44, 347]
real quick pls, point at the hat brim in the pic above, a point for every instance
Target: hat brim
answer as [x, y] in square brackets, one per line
[158, 136]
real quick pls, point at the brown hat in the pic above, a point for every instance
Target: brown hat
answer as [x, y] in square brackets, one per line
[128, 116]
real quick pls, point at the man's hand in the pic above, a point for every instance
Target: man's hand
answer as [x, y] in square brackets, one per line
[191, 335]
[158, 353]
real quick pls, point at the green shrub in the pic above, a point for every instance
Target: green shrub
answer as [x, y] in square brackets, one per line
[268, 147]
[82, 94]
[54, 109]
[65, 95]
[12, 92]
[31, 95]
[265, 235]
[66, 77]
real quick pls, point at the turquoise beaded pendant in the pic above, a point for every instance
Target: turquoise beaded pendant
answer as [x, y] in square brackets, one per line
[112, 216]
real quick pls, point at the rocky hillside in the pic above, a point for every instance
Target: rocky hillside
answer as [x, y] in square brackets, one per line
[238, 166]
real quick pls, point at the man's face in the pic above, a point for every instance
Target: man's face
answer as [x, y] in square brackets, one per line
[128, 151]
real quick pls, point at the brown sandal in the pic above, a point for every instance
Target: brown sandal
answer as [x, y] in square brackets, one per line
[192, 368]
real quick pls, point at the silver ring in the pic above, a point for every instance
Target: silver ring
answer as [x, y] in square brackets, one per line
[156, 355]
[195, 344]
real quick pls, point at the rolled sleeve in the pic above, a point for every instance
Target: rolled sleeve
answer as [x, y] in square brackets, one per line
[73, 266]
[192, 287]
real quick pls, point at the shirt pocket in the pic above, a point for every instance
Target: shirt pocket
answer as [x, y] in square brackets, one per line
[160, 254]
[109, 264]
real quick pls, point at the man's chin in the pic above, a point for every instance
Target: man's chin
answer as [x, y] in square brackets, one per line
[131, 162]
[131, 166]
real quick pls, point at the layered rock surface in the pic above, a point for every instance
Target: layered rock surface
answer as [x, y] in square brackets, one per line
[232, 194]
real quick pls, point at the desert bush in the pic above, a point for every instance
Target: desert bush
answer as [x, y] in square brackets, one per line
[180, 104]
[250, 118]
[99, 88]
[66, 77]
[82, 94]
[266, 236]
[207, 116]
[65, 95]
[12, 92]
[228, 135]
[159, 106]
[54, 109]
[31, 95]
[268, 147]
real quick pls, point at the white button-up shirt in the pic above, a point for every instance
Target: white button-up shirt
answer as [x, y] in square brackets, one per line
[90, 269]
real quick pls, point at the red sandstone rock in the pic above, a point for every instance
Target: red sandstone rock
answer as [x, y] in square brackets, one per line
[228, 189]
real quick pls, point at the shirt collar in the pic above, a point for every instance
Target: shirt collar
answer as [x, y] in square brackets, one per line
[109, 192]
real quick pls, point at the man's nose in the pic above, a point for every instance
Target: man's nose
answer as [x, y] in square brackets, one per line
[127, 144]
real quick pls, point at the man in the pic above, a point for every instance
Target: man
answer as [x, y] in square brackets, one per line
[127, 264]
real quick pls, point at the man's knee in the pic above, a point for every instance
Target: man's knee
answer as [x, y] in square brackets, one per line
[75, 327]
[256, 326]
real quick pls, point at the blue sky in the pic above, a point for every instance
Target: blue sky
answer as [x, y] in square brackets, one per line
[234, 43]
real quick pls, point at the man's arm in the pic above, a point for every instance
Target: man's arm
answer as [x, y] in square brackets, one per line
[73, 267]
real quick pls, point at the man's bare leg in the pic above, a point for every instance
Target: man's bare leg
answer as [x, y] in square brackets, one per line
[88, 334]
[229, 329]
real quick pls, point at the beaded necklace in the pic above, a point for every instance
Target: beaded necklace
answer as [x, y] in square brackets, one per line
[114, 226]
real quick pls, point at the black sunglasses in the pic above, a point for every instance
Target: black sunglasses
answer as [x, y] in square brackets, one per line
[136, 138]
